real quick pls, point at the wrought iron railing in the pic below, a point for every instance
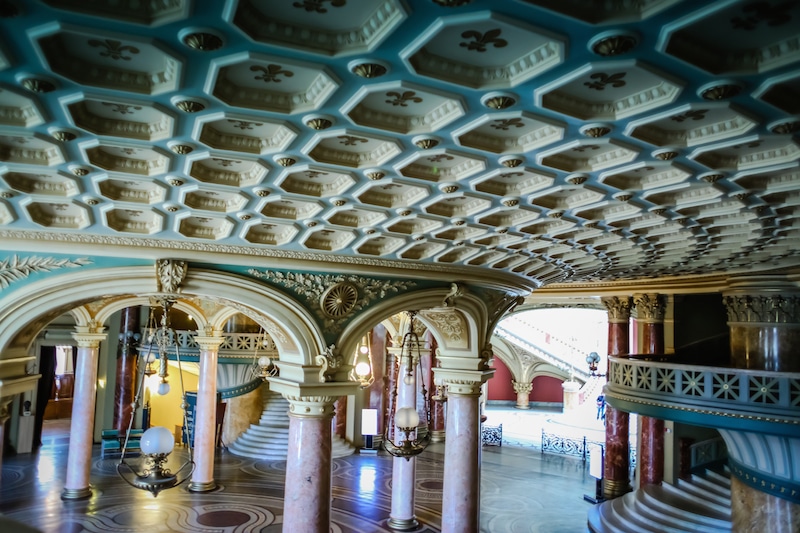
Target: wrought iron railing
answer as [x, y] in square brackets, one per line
[578, 447]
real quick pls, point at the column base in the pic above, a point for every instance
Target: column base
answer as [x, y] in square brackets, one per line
[437, 435]
[76, 494]
[403, 524]
[526, 406]
[613, 488]
[202, 486]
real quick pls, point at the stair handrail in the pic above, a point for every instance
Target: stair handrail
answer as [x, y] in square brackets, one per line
[542, 354]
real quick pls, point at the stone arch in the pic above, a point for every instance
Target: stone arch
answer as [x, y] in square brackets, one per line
[470, 310]
[23, 314]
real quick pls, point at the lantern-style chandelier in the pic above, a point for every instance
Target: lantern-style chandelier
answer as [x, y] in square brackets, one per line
[407, 418]
[363, 367]
[262, 366]
[157, 442]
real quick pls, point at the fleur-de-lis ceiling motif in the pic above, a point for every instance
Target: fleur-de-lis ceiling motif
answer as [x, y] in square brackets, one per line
[244, 125]
[403, 99]
[754, 144]
[440, 157]
[21, 140]
[270, 73]
[482, 40]
[312, 174]
[60, 207]
[508, 175]
[122, 109]
[224, 162]
[694, 114]
[390, 186]
[113, 49]
[585, 147]
[603, 79]
[318, 6]
[349, 140]
[644, 169]
[754, 13]
[506, 123]
[132, 213]
[129, 151]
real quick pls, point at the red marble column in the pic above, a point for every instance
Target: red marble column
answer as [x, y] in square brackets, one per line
[650, 310]
[651, 451]
[126, 368]
[616, 462]
[79, 459]
[685, 450]
[205, 424]
[307, 494]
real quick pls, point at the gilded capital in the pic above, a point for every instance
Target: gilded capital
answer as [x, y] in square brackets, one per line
[772, 308]
[619, 309]
[464, 387]
[209, 343]
[650, 307]
[89, 340]
[310, 406]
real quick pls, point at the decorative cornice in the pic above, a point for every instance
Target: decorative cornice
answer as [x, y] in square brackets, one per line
[16, 268]
[619, 309]
[650, 307]
[772, 309]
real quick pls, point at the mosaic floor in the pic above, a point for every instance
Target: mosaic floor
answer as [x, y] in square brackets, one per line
[522, 490]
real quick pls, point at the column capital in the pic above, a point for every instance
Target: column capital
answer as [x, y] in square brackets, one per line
[619, 308]
[650, 307]
[524, 388]
[310, 406]
[209, 342]
[89, 340]
[465, 382]
[763, 308]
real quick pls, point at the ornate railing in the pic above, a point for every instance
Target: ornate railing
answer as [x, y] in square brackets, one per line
[578, 447]
[688, 392]
[708, 452]
[234, 345]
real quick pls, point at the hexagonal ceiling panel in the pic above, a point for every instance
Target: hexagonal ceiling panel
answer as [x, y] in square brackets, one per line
[460, 135]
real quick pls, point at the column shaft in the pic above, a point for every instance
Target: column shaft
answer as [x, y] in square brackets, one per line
[79, 458]
[404, 471]
[461, 492]
[205, 423]
[307, 495]
[126, 368]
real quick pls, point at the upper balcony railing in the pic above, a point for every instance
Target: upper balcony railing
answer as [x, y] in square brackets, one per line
[710, 396]
[235, 347]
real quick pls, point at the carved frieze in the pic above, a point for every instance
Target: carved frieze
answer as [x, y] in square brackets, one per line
[775, 309]
[315, 291]
[619, 308]
[17, 268]
[450, 324]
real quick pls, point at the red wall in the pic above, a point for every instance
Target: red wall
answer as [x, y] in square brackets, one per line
[545, 388]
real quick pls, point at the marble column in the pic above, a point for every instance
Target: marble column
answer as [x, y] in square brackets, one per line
[523, 391]
[650, 310]
[79, 459]
[572, 391]
[616, 461]
[462, 479]
[205, 421]
[404, 471]
[765, 330]
[339, 426]
[307, 494]
[4, 416]
[126, 368]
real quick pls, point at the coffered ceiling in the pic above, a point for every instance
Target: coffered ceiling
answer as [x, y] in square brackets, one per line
[558, 140]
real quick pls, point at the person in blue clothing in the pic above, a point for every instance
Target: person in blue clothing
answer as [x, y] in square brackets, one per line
[601, 407]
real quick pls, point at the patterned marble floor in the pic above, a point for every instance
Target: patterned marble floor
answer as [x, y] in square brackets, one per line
[522, 490]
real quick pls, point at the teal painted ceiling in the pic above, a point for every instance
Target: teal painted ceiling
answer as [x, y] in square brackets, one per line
[558, 140]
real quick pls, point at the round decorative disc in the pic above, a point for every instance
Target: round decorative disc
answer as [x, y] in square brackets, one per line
[339, 300]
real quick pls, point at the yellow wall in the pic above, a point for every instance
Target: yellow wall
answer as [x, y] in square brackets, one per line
[166, 410]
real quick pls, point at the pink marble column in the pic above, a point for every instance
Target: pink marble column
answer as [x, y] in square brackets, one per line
[650, 309]
[339, 426]
[205, 420]
[461, 491]
[404, 472]
[616, 460]
[84, 396]
[307, 495]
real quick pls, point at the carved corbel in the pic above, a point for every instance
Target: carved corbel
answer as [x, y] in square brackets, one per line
[330, 362]
[170, 274]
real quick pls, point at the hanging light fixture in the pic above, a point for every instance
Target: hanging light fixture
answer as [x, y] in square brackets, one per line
[157, 442]
[406, 419]
[262, 367]
[363, 368]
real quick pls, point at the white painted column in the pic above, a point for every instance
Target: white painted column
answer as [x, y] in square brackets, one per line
[79, 459]
[205, 420]
[404, 472]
